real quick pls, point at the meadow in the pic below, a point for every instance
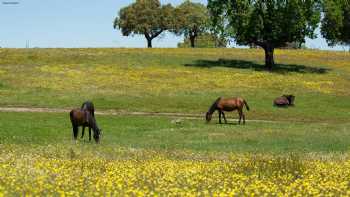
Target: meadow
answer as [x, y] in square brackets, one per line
[301, 150]
[177, 80]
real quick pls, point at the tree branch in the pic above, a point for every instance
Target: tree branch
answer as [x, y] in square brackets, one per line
[147, 35]
[156, 34]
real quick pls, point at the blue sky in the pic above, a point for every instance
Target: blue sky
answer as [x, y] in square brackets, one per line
[79, 23]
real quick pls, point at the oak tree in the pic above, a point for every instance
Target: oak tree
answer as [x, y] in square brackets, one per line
[145, 17]
[268, 24]
[191, 20]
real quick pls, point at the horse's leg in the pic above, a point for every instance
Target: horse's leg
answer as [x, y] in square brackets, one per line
[243, 118]
[240, 116]
[220, 116]
[223, 115]
[82, 132]
[89, 133]
[75, 132]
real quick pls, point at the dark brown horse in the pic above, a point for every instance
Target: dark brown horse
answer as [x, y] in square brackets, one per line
[89, 106]
[284, 101]
[79, 117]
[227, 104]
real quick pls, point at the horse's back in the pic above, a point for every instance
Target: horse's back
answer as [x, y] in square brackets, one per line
[78, 116]
[281, 101]
[230, 104]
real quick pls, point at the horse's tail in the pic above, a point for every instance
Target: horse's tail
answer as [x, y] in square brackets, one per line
[71, 116]
[246, 105]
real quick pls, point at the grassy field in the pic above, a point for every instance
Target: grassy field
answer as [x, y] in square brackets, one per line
[177, 80]
[163, 134]
[302, 150]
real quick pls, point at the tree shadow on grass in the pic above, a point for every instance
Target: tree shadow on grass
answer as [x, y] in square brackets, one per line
[243, 64]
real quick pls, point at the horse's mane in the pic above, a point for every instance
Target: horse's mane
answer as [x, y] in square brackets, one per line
[213, 106]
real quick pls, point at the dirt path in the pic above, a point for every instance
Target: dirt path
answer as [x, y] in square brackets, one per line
[111, 112]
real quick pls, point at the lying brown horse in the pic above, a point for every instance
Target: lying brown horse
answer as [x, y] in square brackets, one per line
[89, 106]
[284, 101]
[79, 117]
[227, 104]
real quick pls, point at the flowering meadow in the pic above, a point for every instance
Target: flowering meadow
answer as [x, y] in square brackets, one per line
[296, 151]
[73, 171]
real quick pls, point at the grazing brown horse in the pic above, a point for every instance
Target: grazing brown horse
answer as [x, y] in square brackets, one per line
[83, 118]
[89, 106]
[227, 104]
[284, 101]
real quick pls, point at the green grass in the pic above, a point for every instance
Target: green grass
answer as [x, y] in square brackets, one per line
[160, 133]
[178, 80]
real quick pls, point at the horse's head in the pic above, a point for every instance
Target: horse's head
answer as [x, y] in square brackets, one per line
[290, 98]
[97, 134]
[208, 116]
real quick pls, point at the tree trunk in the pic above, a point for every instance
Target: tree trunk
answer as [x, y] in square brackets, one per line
[150, 36]
[149, 42]
[300, 45]
[192, 38]
[269, 60]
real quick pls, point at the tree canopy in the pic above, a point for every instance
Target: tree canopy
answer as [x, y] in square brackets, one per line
[336, 22]
[191, 20]
[266, 23]
[145, 17]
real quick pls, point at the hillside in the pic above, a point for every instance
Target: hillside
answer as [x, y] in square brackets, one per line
[178, 80]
